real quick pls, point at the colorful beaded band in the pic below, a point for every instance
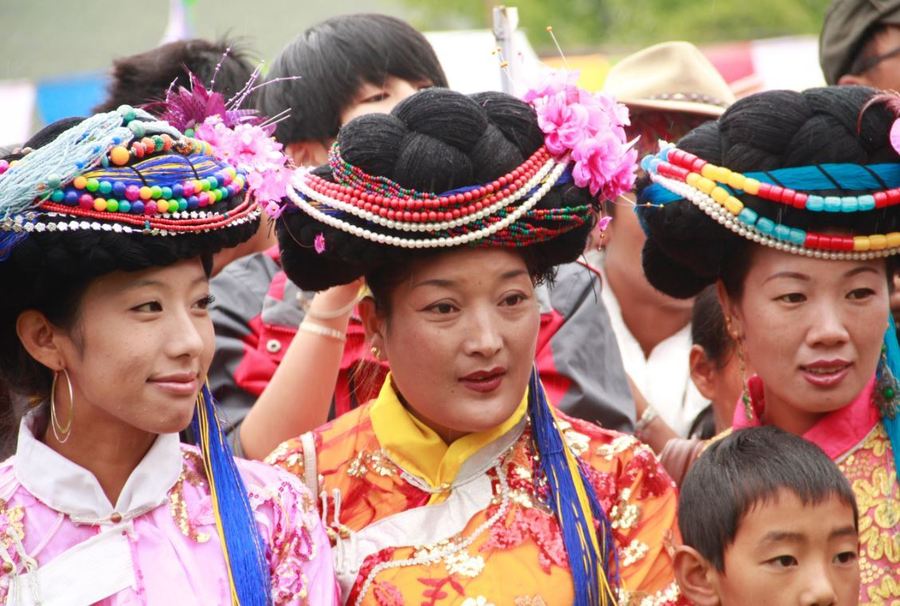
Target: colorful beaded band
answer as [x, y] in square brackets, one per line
[716, 181]
[764, 231]
[162, 183]
[481, 214]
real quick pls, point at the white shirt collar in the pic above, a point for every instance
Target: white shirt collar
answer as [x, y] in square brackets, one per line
[70, 489]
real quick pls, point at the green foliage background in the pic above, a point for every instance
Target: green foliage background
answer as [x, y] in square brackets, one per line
[630, 24]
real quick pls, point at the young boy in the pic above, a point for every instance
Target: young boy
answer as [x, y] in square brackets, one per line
[767, 519]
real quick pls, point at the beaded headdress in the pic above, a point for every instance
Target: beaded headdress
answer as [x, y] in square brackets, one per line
[123, 172]
[585, 143]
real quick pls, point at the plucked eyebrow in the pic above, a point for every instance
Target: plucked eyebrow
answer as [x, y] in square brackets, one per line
[443, 283]
[143, 282]
[798, 276]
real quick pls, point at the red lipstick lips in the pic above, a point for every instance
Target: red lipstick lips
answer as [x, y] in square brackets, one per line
[484, 381]
[826, 373]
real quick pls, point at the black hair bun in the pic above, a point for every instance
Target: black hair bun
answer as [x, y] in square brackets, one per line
[436, 140]
[686, 249]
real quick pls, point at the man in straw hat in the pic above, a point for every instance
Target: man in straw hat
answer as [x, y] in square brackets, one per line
[669, 88]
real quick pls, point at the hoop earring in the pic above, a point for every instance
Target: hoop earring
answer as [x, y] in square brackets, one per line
[60, 432]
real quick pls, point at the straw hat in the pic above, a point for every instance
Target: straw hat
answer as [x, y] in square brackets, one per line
[672, 76]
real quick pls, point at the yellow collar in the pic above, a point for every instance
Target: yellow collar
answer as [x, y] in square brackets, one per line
[418, 449]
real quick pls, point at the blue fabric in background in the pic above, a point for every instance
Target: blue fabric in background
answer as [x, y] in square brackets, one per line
[69, 96]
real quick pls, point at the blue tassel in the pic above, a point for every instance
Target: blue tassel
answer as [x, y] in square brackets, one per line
[594, 564]
[892, 423]
[243, 546]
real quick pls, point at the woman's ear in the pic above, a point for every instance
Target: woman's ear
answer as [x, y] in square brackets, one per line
[695, 576]
[733, 317]
[373, 323]
[703, 372]
[41, 339]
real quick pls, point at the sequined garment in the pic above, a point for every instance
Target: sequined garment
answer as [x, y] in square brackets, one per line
[855, 438]
[159, 544]
[484, 536]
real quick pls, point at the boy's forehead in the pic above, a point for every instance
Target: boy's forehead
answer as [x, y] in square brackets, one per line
[784, 517]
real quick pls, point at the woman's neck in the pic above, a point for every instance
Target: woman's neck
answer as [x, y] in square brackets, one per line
[785, 416]
[106, 447]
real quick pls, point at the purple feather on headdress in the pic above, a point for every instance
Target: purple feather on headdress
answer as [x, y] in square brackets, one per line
[187, 108]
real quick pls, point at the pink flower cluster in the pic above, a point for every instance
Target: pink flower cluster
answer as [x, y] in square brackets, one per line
[252, 148]
[589, 129]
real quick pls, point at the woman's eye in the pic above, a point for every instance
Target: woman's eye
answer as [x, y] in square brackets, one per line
[792, 297]
[845, 557]
[376, 98]
[860, 293]
[148, 307]
[442, 308]
[784, 561]
[205, 302]
[514, 299]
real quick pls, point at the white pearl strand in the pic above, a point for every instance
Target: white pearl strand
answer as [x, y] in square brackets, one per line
[301, 184]
[721, 215]
[32, 222]
[442, 242]
[437, 555]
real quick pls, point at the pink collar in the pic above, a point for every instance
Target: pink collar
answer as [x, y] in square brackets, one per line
[836, 433]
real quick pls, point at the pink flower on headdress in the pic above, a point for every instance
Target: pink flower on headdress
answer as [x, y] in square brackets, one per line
[319, 243]
[587, 128]
[251, 148]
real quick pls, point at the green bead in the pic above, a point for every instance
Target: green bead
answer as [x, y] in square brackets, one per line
[166, 193]
[57, 195]
[137, 128]
[92, 185]
[156, 192]
[182, 204]
[53, 181]
[105, 187]
[127, 113]
[158, 141]
[124, 206]
[213, 182]
[112, 206]
[888, 393]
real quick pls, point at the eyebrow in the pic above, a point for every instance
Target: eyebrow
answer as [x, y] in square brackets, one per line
[787, 274]
[147, 282]
[859, 270]
[779, 536]
[846, 531]
[444, 283]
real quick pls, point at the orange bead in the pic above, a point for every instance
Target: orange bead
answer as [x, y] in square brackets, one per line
[80, 182]
[145, 193]
[119, 156]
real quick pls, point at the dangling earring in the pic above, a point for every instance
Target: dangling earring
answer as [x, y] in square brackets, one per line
[886, 389]
[61, 432]
[746, 400]
[376, 353]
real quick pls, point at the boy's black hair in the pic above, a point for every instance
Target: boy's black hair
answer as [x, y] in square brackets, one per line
[744, 470]
[333, 60]
[145, 77]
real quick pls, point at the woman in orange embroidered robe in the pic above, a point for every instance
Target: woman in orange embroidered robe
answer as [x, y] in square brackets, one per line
[459, 484]
[809, 313]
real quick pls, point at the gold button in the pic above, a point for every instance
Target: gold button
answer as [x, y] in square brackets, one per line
[115, 518]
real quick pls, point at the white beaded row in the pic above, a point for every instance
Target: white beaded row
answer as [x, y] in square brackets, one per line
[442, 242]
[301, 183]
[41, 225]
[722, 216]
[437, 555]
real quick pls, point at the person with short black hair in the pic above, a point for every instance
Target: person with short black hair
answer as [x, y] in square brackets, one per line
[782, 204]
[145, 77]
[767, 518]
[860, 43]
